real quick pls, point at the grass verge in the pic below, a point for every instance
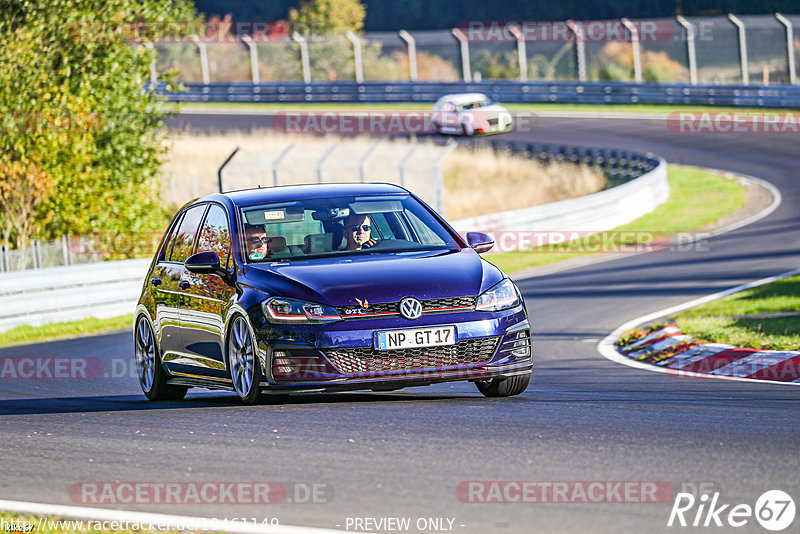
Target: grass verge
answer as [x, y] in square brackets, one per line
[22, 335]
[697, 199]
[764, 317]
[422, 106]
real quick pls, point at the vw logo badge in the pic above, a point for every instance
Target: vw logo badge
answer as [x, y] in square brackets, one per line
[410, 308]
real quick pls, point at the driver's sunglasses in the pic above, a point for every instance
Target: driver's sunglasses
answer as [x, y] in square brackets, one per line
[259, 240]
[364, 227]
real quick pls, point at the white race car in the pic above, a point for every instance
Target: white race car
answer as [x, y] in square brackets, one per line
[470, 114]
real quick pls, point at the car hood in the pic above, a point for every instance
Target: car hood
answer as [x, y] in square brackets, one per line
[377, 278]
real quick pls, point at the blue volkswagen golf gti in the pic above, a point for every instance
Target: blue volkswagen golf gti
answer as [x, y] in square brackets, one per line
[314, 288]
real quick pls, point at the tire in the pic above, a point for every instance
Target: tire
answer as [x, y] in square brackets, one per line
[151, 374]
[243, 363]
[504, 386]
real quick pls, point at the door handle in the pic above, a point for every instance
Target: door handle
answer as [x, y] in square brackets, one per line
[156, 282]
[184, 284]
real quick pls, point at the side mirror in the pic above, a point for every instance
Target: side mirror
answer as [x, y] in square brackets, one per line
[480, 242]
[206, 263]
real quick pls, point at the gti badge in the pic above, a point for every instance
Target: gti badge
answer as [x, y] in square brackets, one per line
[410, 308]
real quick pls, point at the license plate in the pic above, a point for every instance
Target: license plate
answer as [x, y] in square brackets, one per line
[415, 337]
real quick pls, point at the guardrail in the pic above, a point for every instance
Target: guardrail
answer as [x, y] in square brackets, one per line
[58, 294]
[565, 92]
[112, 288]
[639, 185]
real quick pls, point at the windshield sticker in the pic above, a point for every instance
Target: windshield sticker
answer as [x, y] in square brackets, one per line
[273, 215]
[256, 256]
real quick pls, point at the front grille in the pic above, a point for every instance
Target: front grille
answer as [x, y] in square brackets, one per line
[367, 360]
[388, 309]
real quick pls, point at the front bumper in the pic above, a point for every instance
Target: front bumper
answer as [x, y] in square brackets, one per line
[341, 357]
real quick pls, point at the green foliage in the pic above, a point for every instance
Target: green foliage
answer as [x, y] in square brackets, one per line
[321, 17]
[76, 114]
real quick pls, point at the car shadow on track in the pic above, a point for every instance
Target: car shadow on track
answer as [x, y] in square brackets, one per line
[122, 403]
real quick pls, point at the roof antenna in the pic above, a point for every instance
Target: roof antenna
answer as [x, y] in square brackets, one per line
[259, 186]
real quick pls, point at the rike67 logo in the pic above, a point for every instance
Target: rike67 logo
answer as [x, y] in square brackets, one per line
[774, 510]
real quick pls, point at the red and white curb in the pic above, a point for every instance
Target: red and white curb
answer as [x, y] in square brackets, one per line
[668, 347]
[710, 360]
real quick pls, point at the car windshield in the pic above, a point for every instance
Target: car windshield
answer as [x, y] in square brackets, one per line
[475, 104]
[340, 226]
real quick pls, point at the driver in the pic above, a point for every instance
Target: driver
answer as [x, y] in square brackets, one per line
[357, 229]
[257, 241]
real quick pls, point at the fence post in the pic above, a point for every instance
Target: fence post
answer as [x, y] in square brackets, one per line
[742, 47]
[412, 54]
[203, 59]
[362, 172]
[37, 254]
[277, 161]
[522, 55]
[4, 258]
[637, 58]
[65, 250]
[464, 42]
[357, 59]
[254, 74]
[580, 48]
[306, 63]
[690, 51]
[402, 164]
[322, 159]
[439, 204]
[789, 46]
[222, 167]
[153, 70]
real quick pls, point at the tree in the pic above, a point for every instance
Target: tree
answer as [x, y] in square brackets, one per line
[77, 120]
[328, 16]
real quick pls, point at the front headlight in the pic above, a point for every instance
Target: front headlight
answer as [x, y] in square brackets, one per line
[501, 296]
[290, 311]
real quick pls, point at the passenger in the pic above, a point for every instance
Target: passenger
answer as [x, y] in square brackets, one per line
[357, 230]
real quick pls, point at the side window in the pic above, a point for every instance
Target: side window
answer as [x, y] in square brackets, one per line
[215, 234]
[163, 254]
[184, 238]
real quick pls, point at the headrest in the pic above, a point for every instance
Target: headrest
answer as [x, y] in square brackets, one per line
[276, 244]
[315, 243]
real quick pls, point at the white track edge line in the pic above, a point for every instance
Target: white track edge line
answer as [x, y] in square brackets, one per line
[777, 199]
[607, 348]
[172, 522]
[607, 344]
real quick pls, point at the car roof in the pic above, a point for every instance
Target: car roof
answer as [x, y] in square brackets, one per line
[463, 98]
[301, 192]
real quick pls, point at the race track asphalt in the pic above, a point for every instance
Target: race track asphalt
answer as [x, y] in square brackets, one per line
[583, 418]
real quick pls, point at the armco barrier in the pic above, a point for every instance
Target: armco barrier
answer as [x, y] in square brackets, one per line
[566, 92]
[112, 288]
[590, 213]
[57, 294]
